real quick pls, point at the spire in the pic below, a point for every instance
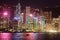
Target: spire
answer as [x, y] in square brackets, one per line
[18, 12]
[18, 9]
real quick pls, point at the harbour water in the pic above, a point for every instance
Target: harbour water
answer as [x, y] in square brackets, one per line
[29, 36]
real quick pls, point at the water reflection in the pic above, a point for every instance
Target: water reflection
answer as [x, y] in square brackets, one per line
[29, 36]
[18, 36]
[5, 36]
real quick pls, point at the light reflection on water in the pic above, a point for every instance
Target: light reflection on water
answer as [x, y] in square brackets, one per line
[31, 36]
[28, 36]
[5, 36]
[18, 36]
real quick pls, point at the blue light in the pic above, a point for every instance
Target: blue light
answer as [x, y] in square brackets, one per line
[18, 36]
[16, 18]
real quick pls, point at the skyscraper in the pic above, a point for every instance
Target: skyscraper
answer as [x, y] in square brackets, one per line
[48, 16]
[27, 17]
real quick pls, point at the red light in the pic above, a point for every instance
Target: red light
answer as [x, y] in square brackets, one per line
[30, 15]
[5, 13]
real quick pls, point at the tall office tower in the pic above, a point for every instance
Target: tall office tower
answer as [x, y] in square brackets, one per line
[42, 18]
[23, 16]
[31, 21]
[17, 12]
[18, 16]
[41, 12]
[48, 16]
[26, 17]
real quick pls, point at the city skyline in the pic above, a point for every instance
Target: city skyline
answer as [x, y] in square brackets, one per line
[52, 5]
[29, 20]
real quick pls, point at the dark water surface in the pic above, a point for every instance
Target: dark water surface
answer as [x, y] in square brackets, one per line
[29, 36]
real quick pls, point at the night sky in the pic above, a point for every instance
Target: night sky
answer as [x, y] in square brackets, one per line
[53, 5]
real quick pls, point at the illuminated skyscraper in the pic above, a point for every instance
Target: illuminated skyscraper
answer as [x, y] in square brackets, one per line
[48, 16]
[42, 17]
[27, 12]
[18, 16]
[27, 17]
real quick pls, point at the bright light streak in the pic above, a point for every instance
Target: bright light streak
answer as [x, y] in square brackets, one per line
[52, 31]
